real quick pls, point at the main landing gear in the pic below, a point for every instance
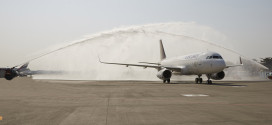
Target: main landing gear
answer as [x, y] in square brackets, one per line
[209, 81]
[199, 79]
[167, 80]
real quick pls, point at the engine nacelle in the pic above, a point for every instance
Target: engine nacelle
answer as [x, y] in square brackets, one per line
[10, 74]
[164, 74]
[218, 76]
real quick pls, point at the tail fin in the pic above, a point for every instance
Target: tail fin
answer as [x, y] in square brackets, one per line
[163, 56]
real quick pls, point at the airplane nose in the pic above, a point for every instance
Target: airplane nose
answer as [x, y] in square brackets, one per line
[220, 64]
[223, 64]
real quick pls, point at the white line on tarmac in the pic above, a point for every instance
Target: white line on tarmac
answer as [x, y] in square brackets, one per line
[194, 95]
[238, 86]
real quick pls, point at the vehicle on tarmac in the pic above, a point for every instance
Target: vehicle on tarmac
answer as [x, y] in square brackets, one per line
[10, 73]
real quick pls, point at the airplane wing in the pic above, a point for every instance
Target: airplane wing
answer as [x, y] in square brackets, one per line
[150, 63]
[177, 69]
[234, 65]
[241, 64]
[138, 65]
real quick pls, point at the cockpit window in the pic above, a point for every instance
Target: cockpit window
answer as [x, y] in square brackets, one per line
[214, 57]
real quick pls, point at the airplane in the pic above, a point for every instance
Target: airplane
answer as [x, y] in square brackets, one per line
[210, 63]
[10, 73]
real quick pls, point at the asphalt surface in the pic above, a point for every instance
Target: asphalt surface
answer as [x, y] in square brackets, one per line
[24, 101]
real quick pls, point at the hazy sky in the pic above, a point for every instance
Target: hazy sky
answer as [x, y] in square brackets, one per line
[27, 26]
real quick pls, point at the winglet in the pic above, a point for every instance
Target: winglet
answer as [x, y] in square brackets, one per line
[162, 52]
[241, 61]
[241, 64]
[99, 59]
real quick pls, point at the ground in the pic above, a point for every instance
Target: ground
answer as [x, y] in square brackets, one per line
[24, 101]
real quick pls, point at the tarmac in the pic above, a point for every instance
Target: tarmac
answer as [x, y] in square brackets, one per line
[24, 101]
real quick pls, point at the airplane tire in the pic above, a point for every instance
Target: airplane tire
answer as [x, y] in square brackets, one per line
[168, 80]
[200, 80]
[209, 81]
[164, 81]
[196, 80]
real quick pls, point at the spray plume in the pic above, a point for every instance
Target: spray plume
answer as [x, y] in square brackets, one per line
[79, 61]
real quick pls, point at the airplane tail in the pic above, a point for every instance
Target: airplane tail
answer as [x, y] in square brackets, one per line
[162, 52]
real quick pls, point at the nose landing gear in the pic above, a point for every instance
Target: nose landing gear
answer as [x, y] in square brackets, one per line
[199, 80]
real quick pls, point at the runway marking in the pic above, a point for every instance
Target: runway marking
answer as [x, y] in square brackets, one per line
[194, 95]
[108, 103]
[238, 86]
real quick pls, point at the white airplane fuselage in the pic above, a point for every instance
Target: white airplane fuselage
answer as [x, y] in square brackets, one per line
[196, 64]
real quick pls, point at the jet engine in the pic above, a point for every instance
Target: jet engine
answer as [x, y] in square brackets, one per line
[164, 74]
[218, 76]
[10, 74]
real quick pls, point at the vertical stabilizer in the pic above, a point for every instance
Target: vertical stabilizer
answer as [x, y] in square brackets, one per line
[163, 56]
